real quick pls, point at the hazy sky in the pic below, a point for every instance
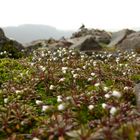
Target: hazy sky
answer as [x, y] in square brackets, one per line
[70, 14]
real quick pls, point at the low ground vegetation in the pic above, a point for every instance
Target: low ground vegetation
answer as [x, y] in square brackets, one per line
[65, 94]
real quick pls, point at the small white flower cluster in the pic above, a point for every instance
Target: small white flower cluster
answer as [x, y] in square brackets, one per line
[44, 108]
[42, 68]
[52, 87]
[112, 110]
[64, 69]
[61, 107]
[5, 100]
[114, 93]
[105, 89]
[38, 102]
[62, 79]
[1, 53]
[97, 84]
[92, 74]
[90, 107]
[59, 99]
[75, 75]
[35, 138]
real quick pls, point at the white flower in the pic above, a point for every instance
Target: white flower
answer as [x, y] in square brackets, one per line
[49, 52]
[109, 55]
[18, 91]
[73, 53]
[64, 59]
[68, 98]
[84, 67]
[90, 79]
[64, 71]
[62, 80]
[78, 69]
[42, 68]
[90, 107]
[6, 100]
[72, 71]
[35, 138]
[116, 94]
[126, 65]
[105, 89]
[59, 99]
[75, 75]
[64, 68]
[97, 84]
[45, 107]
[61, 107]
[55, 59]
[4, 52]
[38, 102]
[94, 63]
[124, 73]
[126, 88]
[31, 64]
[113, 110]
[92, 74]
[52, 87]
[104, 105]
[107, 95]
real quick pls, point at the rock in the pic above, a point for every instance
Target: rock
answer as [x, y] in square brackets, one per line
[2, 35]
[86, 43]
[118, 37]
[137, 93]
[100, 36]
[10, 46]
[49, 44]
[131, 42]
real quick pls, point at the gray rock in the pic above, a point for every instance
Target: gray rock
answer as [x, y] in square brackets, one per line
[100, 36]
[2, 35]
[118, 37]
[132, 41]
[86, 43]
[51, 44]
[137, 93]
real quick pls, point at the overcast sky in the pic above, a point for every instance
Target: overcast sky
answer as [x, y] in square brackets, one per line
[70, 14]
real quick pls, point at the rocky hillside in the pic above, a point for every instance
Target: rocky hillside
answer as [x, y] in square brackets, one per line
[86, 40]
[9, 47]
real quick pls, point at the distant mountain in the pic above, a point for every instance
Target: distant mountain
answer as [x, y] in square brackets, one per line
[30, 32]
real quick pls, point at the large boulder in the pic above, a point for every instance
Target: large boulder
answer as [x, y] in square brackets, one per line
[100, 36]
[118, 37]
[131, 42]
[137, 94]
[85, 43]
[2, 35]
[12, 47]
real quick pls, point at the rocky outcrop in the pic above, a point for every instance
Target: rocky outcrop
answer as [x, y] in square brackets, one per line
[100, 36]
[85, 43]
[137, 93]
[50, 44]
[2, 35]
[118, 37]
[12, 47]
[132, 41]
